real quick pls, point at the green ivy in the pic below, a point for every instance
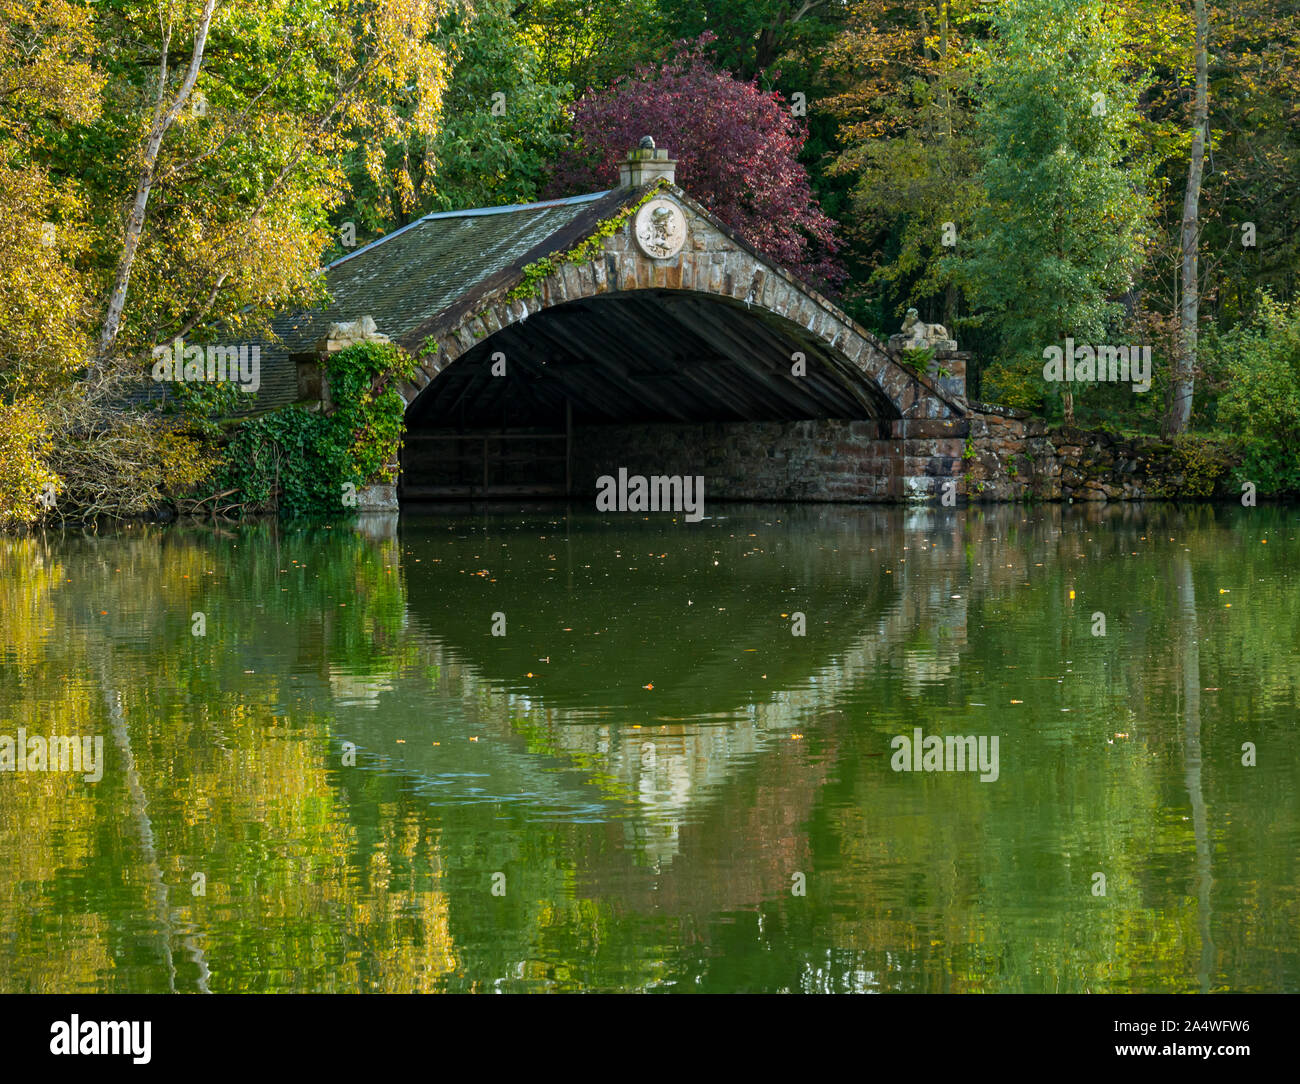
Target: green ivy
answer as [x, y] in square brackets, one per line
[587, 249]
[298, 461]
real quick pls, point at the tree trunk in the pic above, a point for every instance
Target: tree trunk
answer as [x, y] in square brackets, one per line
[163, 120]
[1184, 381]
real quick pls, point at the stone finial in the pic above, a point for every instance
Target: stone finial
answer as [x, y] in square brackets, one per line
[918, 335]
[313, 384]
[646, 164]
[348, 333]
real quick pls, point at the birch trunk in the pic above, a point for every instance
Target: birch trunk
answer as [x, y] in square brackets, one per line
[1189, 302]
[163, 120]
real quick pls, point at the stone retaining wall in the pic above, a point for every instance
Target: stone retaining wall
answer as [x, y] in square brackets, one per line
[823, 460]
[993, 455]
[1014, 456]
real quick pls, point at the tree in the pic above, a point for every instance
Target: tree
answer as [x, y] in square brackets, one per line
[1250, 204]
[230, 159]
[737, 150]
[502, 125]
[1261, 403]
[905, 116]
[1183, 385]
[481, 157]
[157, 199]
[750, 37]
[167, 107]
[588, 43]
[47, 84]
[1061, 230]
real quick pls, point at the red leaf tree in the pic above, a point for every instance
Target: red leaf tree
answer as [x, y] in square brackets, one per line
[737, 150]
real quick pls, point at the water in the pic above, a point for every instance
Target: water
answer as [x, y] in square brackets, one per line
[649, 783]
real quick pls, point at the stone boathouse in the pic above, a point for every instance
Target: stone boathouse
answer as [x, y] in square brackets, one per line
[561, 340]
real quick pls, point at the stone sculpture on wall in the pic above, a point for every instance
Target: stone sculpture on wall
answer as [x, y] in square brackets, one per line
[918, 335]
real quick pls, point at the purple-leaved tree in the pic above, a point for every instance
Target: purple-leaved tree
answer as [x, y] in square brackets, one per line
[737, 149]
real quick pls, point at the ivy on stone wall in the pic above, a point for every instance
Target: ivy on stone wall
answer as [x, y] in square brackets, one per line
[587, 249]
[299, 461]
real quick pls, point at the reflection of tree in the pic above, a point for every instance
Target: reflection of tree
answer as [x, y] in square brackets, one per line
[140, 817]
[1189, 665]
[203, 774]
[326, 878]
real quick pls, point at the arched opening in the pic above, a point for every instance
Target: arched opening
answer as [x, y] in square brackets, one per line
[512, 415]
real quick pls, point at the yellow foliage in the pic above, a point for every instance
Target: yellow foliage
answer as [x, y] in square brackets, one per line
[42, 296]
[24, 445]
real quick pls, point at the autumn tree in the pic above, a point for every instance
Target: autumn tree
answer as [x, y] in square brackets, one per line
[906, 118]
[47, 83]
[189, 182]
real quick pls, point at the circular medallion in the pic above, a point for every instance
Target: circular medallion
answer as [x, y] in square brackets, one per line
[660, 229]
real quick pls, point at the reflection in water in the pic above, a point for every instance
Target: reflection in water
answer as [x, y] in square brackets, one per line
[348, 782]
[1190, 665]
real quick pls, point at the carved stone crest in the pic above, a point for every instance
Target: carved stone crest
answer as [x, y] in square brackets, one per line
[660, 229]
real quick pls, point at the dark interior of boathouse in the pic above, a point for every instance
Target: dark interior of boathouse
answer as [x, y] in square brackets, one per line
[503, 419]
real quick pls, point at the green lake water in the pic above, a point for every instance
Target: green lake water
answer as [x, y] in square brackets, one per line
[649, 782]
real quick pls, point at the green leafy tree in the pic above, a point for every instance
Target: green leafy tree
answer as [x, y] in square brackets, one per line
[1260, 362]
[502, 123]
[1061, 232]
[905, 115]
[589, 43]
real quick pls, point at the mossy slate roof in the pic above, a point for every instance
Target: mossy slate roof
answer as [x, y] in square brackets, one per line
[423, 270]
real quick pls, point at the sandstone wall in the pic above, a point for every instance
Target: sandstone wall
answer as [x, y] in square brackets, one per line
[1013, 456]
[993, 455]
[823, 460]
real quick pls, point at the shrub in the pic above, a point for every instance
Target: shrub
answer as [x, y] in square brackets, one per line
[24, 446]
[1261, 400]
